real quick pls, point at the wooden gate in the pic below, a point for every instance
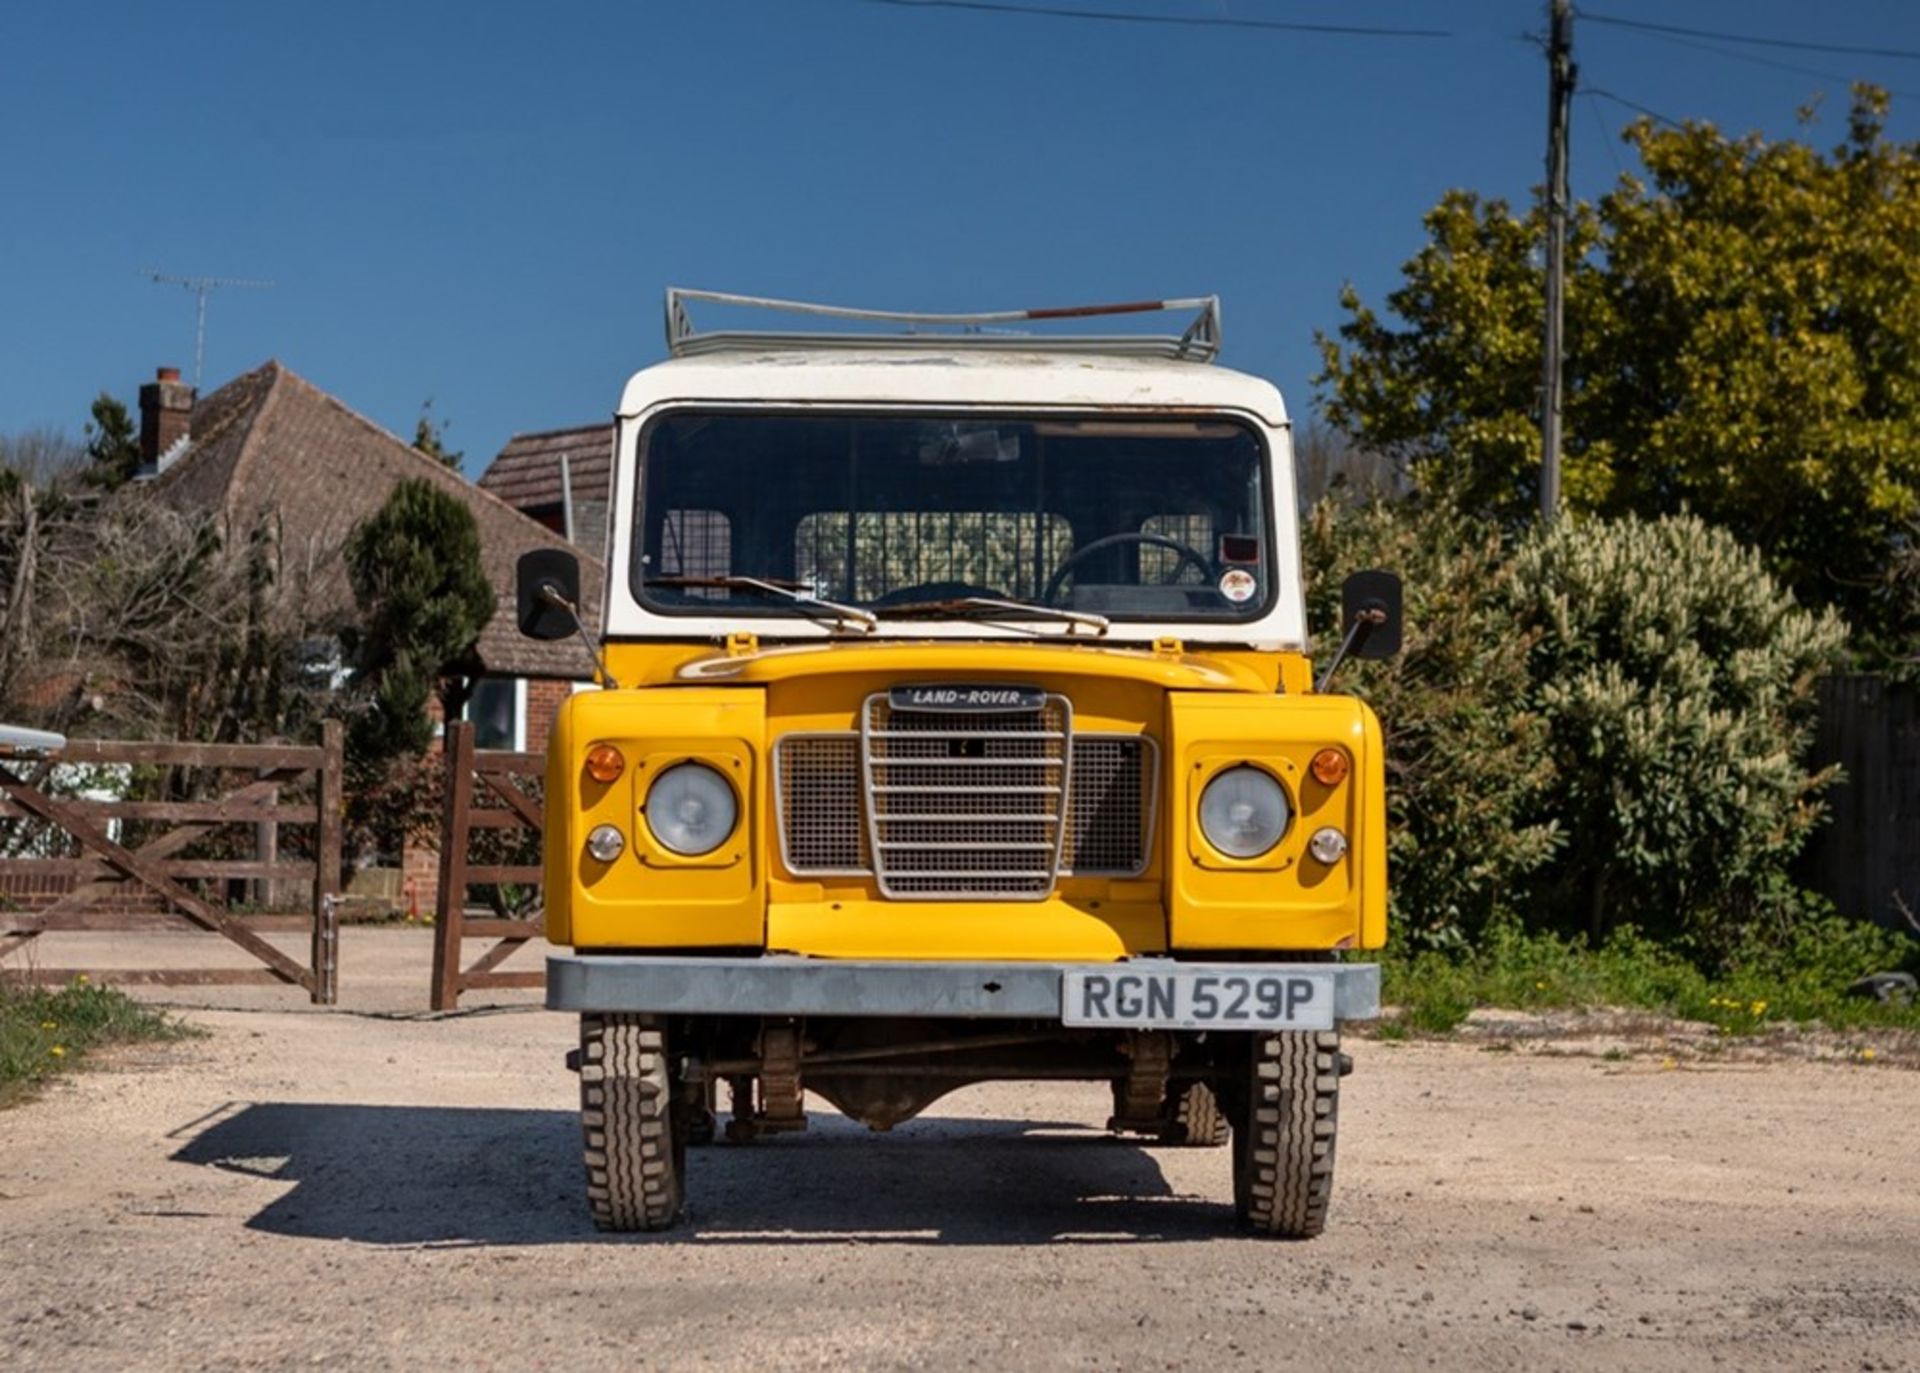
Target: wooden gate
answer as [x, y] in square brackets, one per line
[493, 801]
[101, 863]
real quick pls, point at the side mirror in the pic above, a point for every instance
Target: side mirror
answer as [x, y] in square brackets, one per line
[1369, 620]
[1370, 613]
[546, 592]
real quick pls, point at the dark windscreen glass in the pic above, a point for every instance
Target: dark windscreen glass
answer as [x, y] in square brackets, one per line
[1145, 520]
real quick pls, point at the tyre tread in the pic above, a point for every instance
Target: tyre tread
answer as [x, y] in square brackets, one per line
[626, 1121]
[1283, 1175]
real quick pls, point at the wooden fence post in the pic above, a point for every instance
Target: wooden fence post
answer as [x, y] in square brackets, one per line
[450, 907]
[329, 793]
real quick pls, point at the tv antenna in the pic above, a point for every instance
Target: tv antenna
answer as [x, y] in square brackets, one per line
[202, 287]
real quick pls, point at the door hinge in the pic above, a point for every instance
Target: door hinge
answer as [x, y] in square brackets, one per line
[741, 644]
[1169, 647]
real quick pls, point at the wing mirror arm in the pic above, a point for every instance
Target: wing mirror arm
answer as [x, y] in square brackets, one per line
[1370, 607]
[1364, 620]
[553, 596]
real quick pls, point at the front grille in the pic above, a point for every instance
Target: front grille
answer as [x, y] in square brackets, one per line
[1110, 807]
[966, 803]
[818, 784]
[816, 780]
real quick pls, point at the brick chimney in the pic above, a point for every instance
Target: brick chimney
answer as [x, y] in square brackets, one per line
[166, 408]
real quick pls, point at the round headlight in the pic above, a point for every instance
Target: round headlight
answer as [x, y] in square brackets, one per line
[1243, 812]
[691, 809]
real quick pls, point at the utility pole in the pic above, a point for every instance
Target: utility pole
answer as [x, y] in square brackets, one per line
[202, 287]
[1561, 74]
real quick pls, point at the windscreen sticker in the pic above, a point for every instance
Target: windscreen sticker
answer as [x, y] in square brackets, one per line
[1237, 584]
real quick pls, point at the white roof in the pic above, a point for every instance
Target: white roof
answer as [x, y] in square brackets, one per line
[958, 377]
[961, 378]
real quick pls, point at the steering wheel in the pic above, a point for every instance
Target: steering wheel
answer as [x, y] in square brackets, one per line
[935, 591]
[1187, 555]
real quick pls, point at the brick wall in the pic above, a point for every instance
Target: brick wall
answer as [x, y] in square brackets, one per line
[419, 876]
[543, 703]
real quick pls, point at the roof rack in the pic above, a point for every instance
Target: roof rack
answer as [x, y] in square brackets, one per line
[1200, 342]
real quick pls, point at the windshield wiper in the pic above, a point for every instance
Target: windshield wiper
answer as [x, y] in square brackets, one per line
[806, 600]
[1097, 623]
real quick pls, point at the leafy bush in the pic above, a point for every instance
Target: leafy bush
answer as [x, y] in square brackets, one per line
[1601, 727]
[1469, 780]
[1676, 681]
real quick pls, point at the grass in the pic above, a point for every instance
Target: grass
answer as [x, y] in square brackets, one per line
[47, 1030]
[1798, 981]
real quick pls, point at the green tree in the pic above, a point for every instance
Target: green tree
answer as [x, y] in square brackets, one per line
[113, 446]
[1595, 724]
[431, 438]
[424, 597]
[1743, 342]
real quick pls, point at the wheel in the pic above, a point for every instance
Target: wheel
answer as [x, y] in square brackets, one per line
[636, 1142]
[1199, 1123]
[1284, 1131]
[1190, 1118]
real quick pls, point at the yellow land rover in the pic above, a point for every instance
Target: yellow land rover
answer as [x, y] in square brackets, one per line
[958, 725]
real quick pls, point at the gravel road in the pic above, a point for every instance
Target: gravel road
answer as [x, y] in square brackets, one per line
[370, 1188]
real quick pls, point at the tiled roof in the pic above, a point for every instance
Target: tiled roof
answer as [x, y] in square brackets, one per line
[526, 475]
[271, 445]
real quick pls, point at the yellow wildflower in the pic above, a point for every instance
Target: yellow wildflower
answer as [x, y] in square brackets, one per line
[58, 1051]
[1759, 1008]
[81, 980]
[49, 1025]
[1539, 986]
[1867, 1054]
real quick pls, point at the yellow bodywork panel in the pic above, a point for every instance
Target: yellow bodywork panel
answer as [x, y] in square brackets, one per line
[648, 896]
[1196, 712]
[1059, 928]
[654, 664]
[1284, 898]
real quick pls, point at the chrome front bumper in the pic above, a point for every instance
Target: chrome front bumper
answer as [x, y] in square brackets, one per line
[782, 984]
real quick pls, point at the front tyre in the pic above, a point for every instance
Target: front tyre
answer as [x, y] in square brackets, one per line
[1284, 1131]
[635, 1140]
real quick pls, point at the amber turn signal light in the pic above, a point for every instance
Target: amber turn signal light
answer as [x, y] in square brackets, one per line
[604, 763]
[1330, 767]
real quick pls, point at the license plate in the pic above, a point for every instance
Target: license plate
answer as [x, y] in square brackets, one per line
[1222, 998]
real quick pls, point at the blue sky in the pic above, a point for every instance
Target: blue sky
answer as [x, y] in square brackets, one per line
[481, 202]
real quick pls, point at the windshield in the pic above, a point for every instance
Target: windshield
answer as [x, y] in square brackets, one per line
[1146, 520]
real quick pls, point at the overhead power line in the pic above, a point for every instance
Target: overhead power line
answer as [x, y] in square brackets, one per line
[1798, 44]
[1635, 106]
[1756, 59]
[1607, 138]
[1183, 21]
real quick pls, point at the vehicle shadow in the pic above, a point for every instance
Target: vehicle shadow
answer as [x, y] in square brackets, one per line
[411, 1175]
